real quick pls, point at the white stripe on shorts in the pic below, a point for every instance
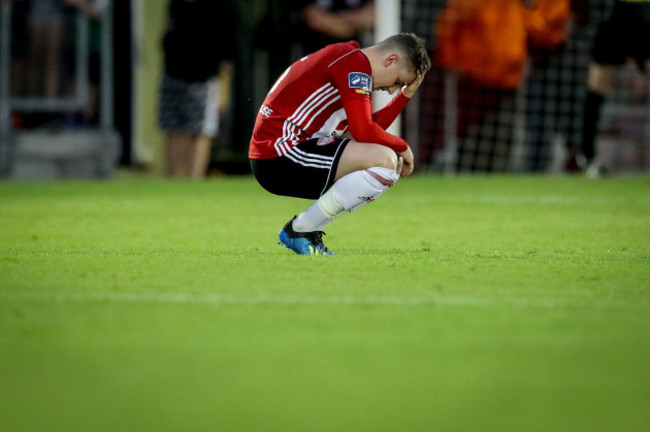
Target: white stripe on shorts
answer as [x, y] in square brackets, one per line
[307, 164]
[324, 158]
[305, 159]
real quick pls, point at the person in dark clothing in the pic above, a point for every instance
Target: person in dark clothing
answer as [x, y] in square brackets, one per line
[624, 35]
[328, 22]
[198, 52]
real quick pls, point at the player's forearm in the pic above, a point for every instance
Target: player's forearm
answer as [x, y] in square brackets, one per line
[323, 21]
[372, 133]
[364, 129]
[359, 18]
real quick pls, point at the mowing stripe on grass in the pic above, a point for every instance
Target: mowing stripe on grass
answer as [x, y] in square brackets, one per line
[302, 300]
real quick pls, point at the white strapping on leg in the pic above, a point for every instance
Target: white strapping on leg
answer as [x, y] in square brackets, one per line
[349, 193]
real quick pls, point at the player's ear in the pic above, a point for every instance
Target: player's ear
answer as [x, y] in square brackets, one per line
[391, 59]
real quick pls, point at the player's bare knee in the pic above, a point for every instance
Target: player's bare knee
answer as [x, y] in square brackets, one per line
[384, 157]
[391, 160]
[361, 156]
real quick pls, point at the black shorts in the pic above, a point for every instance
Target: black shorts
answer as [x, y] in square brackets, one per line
[625, 34]
[306, 171]
[189, 107]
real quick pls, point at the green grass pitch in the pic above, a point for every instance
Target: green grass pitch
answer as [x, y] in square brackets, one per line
[454, 304]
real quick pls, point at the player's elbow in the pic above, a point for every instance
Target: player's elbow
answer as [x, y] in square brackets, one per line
[362, 133]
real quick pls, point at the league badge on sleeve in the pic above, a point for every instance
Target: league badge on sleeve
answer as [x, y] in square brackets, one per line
[360, 82]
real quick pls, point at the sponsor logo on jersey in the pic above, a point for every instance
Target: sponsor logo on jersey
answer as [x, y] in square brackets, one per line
[266, 111]
[324, 141]
[360, 82]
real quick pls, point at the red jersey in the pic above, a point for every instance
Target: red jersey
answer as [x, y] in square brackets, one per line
[315, 97]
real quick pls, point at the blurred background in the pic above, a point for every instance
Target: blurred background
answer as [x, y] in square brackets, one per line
[80, 82]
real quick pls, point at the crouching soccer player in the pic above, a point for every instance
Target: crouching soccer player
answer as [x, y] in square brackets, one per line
[316, 137]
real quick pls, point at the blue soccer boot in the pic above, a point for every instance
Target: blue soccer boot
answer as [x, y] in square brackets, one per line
[303, 243]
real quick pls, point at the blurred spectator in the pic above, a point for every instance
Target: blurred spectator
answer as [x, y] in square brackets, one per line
[490, 43]
[292, 29]
[485, 42]
[331, 21]
[198, 48]
[625, 35]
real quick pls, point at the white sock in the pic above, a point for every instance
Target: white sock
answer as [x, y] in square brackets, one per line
[320, 214]
[359, 188]
[349, 193]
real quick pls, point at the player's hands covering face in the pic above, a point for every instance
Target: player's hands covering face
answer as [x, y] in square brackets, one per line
[409, 90]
